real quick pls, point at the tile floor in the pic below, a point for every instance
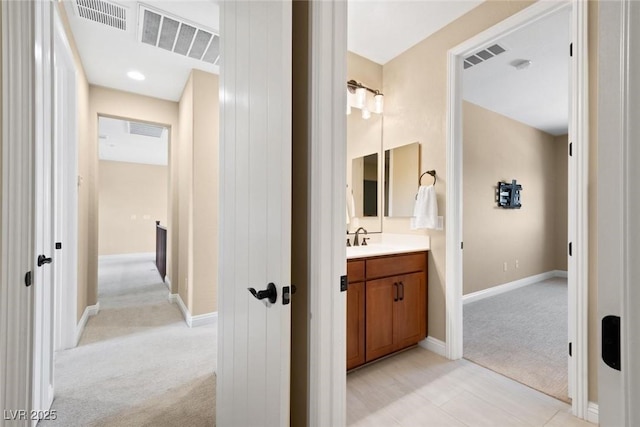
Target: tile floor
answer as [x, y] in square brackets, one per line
[419, 388]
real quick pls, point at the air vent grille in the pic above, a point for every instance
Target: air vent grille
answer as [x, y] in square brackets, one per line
[483, 55]
[103, 12]
[172, 34]
[144, 129]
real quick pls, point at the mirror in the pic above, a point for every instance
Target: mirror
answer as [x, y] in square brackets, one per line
[364, 172]
[401, 175]
[364, 181]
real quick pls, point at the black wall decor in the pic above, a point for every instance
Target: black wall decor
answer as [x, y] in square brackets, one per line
[508, 195]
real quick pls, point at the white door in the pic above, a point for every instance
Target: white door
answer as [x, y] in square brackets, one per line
[65, 189]
[43, 325]
[255, 213]
[619, 213]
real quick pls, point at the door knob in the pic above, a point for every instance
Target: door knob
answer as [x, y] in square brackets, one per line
[42, 259]
[271, 293]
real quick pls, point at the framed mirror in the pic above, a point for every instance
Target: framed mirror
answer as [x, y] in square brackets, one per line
[401, 175]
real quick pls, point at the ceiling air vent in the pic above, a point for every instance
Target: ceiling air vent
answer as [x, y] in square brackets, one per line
[483, 55]
[173, 34]
[144, 129]
[102, 12]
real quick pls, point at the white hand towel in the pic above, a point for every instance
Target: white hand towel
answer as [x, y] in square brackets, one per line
[351, 206]
[425, 212]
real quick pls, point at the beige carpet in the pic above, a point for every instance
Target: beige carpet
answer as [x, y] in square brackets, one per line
[522, 334]
[138, 363]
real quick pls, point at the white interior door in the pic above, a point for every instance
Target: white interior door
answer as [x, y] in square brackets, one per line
[65, 198]
[43, 215]
[619, 213]
[255, 213]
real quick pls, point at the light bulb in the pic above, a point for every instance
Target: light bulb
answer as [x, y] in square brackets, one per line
[366, 114]
[361, 97]
[378, 103]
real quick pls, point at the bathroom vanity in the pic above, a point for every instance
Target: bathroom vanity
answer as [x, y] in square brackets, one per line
[386, 301]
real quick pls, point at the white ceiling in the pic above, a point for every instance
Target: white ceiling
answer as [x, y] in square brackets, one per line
[117, 144]
[537, 96]
[380, 30]
[108, 53]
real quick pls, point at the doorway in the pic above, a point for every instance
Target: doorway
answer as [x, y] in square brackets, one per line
[577, 190]
[515, 129]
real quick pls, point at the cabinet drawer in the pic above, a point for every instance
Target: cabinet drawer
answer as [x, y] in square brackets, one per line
[396, 264]
[355, 271]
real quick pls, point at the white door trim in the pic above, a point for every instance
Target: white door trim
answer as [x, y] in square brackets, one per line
[327, 252]
[17, 250]
[66, 200]
[618, 206]
[578, 225]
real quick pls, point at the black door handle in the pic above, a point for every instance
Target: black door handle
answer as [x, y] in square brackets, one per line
[395, 291]
[271, 293]
[42, 259]
[402, 288]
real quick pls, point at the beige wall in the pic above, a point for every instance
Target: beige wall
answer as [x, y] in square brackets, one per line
[198, 192]
[118, 104]
[497, 148]
[415, 85]
[364, 137]
[132, 197]
[561, 157]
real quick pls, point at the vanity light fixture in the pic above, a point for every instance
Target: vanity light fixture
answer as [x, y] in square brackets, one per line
[357, 97]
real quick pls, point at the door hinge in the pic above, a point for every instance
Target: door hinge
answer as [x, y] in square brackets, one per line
[27, 279]
[571, 149]
[461, 245]
[569, 349]
[570, 49]
[570, 248]
[343, 283]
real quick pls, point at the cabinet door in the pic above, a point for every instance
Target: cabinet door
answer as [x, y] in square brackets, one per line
[355, 325]
[380, 303]
[409, 314]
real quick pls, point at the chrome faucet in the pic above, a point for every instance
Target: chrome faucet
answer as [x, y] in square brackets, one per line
[356, 241]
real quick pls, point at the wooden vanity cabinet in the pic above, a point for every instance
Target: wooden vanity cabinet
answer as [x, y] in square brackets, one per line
[393, 297]
[355, 314]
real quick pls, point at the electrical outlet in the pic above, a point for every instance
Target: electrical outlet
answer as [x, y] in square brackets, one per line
[504, 266]
[517, 264]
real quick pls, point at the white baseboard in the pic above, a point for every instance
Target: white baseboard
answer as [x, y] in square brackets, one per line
[89, 311]
[167, 281]
[434, 345]
[500, 289]
[193, 321]
[593, 413]
[173, 298]
[137, 255]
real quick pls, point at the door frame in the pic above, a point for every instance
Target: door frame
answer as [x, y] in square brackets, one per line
[327, 251]
[66, 188]
[618, 209]
[578, 266]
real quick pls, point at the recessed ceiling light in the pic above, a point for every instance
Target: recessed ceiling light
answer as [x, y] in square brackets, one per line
[521, 64]
[136, 75]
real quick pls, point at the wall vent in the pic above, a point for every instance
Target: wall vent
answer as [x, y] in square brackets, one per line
[483, 55]
[102, 12]
[145, 129]
[173, 34]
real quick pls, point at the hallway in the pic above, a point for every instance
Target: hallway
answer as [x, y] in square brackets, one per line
[137, 362]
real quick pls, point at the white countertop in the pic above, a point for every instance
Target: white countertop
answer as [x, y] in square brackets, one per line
[388, 244]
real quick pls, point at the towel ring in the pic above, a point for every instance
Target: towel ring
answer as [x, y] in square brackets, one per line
[432, 173]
